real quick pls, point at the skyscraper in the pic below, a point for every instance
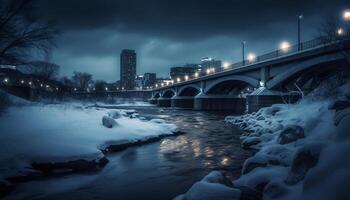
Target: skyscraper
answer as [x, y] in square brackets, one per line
[127, 69]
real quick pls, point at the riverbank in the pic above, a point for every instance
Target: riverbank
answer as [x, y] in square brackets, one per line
[301, 151]
[40, 141]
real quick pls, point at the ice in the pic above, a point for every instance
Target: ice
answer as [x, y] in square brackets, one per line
[312, 160]
[40, 133]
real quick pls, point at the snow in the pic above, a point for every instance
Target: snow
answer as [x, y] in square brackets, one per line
[312, 164]
[38, 132]
[211, 187]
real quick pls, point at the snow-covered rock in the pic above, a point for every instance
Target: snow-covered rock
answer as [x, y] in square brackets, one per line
[291, 133]
[108, 122]
[212, 187]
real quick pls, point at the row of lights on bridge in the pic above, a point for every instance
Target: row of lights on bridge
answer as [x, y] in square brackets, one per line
[284, 46]
[30, 83]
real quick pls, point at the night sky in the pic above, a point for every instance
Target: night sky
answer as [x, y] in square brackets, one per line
[169, 33]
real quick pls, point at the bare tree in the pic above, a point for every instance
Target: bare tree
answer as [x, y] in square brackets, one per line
[82, 79]
[44, 69]
[100, 85]
[21, 32]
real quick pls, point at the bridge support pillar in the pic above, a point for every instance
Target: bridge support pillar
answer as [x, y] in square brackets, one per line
[182, 101]
[217, 102]
[263, 97]
[153, 101]
[164, 102]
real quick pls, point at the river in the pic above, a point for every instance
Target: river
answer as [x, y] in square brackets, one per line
[156, 171]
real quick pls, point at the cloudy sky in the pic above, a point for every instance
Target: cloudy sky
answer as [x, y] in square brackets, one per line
[167, 33]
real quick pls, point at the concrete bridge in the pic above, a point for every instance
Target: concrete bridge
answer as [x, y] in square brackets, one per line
[276, 77]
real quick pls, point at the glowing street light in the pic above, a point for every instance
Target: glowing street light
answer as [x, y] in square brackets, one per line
[186, 77]
[340, 31]
[251, 57]
[212, 70]
[156, 85]
[178, 80]
[106, 88]
[196, 74]
[226, 65]
[285, 46]
[208, 71]
[30, 83]
[22, 81]
[346, 15]
[6, 80]
[75, 89]
[162, 84]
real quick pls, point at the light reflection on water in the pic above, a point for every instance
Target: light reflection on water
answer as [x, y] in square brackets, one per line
[161, 170]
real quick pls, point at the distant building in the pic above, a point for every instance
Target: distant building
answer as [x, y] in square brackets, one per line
[149, 79]
[139, 82]
[164, 81]
[127, 69]
[207, 62]
[180, 72]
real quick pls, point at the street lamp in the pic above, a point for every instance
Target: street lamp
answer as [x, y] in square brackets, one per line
[346, 15]
[208, 71]
[243, 53]
[178, 79]
[162, 84]
[196, 74]
[186, 77]
[285, 46]
[340, 31]
[251, 57]
[299, 37]
[226, 65]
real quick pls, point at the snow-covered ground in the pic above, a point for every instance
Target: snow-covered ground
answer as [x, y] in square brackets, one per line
[64, 132]
[302, 151]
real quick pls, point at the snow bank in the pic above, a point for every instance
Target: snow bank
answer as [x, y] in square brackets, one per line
[301, 149]
[212, 187]
[59, 133]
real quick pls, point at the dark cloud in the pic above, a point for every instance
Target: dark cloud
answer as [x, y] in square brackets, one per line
[166, 33]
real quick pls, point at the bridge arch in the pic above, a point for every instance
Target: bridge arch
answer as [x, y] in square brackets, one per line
[156, 95]
[231, 84]
[168, 93]
[189, 90]
[300, 67]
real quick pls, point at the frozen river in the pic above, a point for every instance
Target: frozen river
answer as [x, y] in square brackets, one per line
[161, 170]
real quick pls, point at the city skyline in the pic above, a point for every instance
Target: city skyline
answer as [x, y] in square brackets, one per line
[182, 35]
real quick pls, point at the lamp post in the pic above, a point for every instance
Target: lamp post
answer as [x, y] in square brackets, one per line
[299, 37]
[243, 54]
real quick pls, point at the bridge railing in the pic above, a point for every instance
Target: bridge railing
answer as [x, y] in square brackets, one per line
[317, 42]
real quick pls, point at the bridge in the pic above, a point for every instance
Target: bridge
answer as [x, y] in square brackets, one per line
[280, 76]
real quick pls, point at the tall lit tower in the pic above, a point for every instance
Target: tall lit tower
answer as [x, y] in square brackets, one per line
[127, 69]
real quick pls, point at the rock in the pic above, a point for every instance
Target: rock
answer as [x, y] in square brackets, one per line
[260, 118]
[340, 115]
[290, 134]
[250, 141]
[5, 188]
[248, 193]
[108, 122]
[339, 105]
[249, 166]
[211, 187]
[114, 114]
[304, 159]
[252, 163]
[80, 165]
[217, 177]
[274, 189]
